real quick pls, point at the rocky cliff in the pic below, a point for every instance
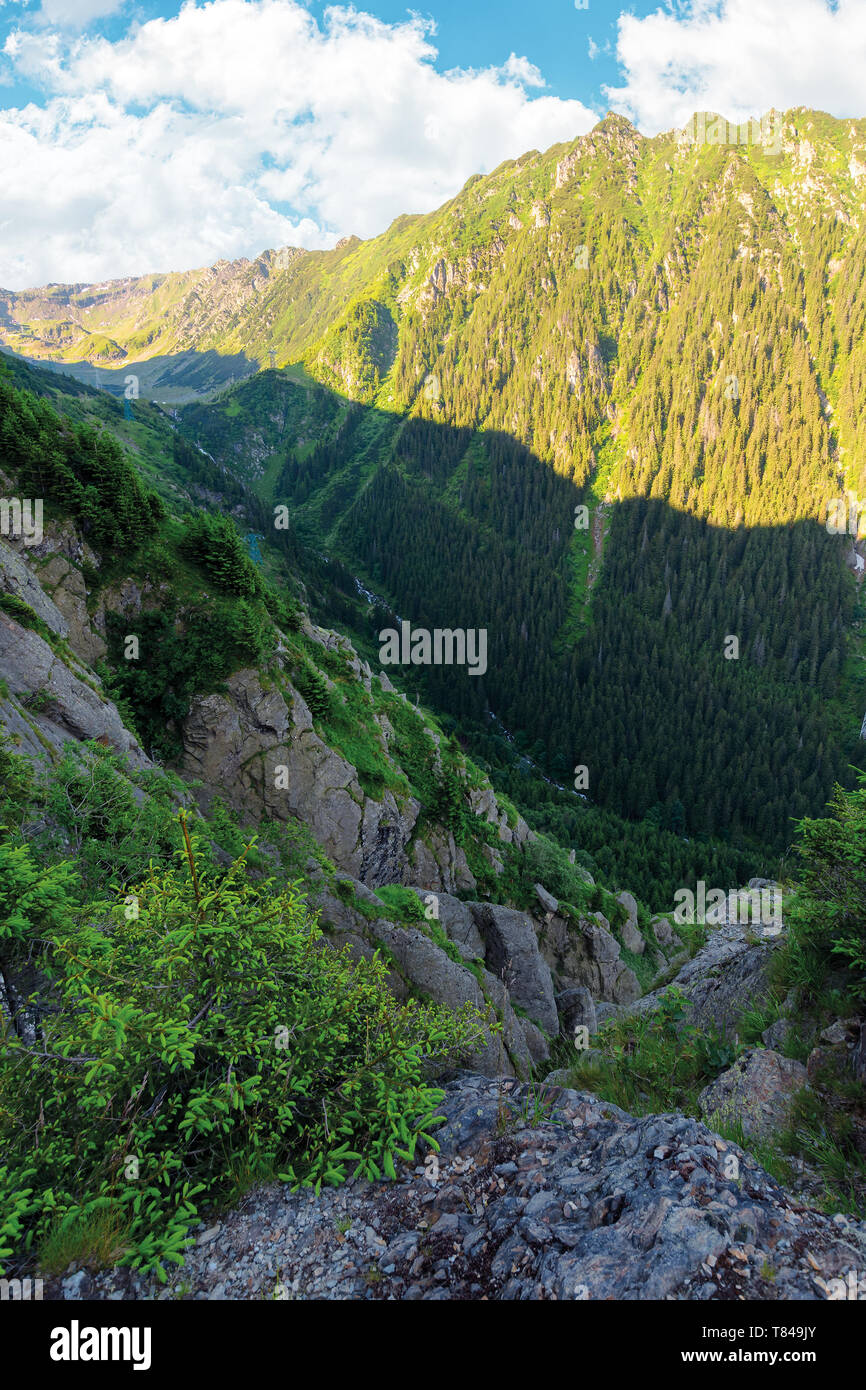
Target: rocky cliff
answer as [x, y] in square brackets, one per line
[255, 744]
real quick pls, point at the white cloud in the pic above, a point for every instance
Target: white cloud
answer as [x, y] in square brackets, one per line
[240, 124]
[594, 49]
[740, 58]
[76, 14]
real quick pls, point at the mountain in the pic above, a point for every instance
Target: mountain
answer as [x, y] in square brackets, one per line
[261, 885]
[541, 271]
[660, 332]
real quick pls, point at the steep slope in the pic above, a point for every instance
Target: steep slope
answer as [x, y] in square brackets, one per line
[273, 722]
[580, 1202]
[659, 332]
[139, 638]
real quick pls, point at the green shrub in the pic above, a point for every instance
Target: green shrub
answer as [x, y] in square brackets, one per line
[213, 544]
[403, 904]
[182, 653]
[204, 1033]
[654, 1062]
[111, 825]
[547, 863]
[314, 688]
[826, 918]
[16, 783]
[286, 612]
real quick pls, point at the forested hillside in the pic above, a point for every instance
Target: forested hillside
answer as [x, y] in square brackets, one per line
[600, 404]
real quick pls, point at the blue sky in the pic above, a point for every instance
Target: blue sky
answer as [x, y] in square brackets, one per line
[552, 34]
[555, 35]
[141, 137]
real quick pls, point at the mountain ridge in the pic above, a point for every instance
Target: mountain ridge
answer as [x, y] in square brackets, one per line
[514, 184]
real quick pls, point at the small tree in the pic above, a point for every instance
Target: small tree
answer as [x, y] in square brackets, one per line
[827, 917]
[197, 1029]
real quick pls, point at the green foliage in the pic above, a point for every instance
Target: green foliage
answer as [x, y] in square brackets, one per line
[111, 822]
[183, 652]
[823, 1130]
[36, 900]
[286, 612]
[437, 777]
[223, 828]
[826, 918]
[413, 746]
[401, 902]
[314, 688]
[80, 470]
[24, 616]
[207, 1032]
[16, 783]
[212, 543]
[654, 1062]
[547, 863]
[356, 355]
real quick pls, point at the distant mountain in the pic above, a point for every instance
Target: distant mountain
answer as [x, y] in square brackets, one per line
[481, 313]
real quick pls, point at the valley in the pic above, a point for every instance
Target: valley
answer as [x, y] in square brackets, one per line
[443, 612]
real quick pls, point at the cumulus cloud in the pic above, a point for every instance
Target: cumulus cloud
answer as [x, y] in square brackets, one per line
[240, 124]
[740, 58]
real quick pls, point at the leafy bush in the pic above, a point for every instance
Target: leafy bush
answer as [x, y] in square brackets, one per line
[202, 1031]
[35, 900]
[16, 783]
[826, 918]
[547, 863]
[111, 826]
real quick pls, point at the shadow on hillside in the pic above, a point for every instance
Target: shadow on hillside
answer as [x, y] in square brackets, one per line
[707, 671]
[170, 379]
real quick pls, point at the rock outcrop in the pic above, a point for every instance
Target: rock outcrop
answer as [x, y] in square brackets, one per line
[755, 1093]
[456, 920]
[725, 977]
[584, 951]
[53, 700]
[585, 1203]
[420, 965]
[259, 749]
[511, 952]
